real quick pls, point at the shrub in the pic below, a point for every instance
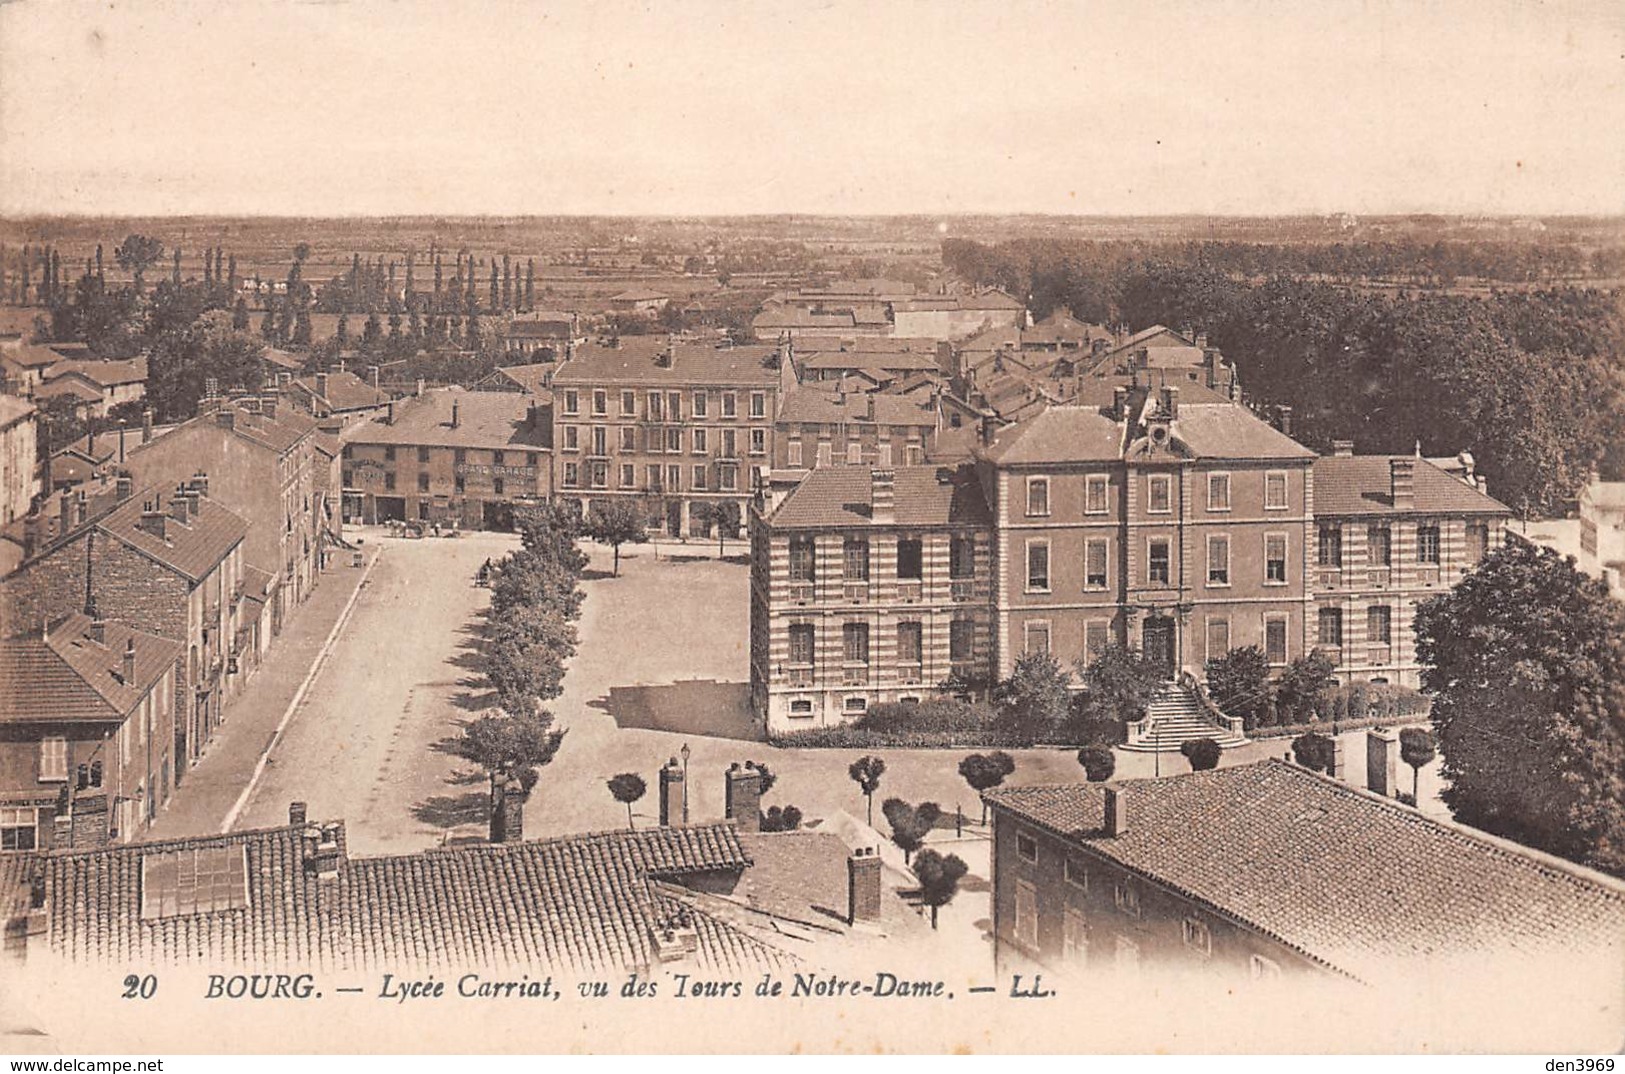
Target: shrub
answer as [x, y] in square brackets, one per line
[932, 714]
[1239, 683]
[1099, 763]
[1202, 753]
[1314, 751]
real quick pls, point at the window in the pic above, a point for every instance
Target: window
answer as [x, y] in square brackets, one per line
[699, 482]
[653, 473]
[1331, 627]
[629, 437]
[1096, 634]
[883, 453]
[855, 704]
[1094, 563]
[674, 478]
[758, 404]
[1218, 492]
[1127, 955]
[1218, 560]
[498, 458]
[1218, 638]
[1427, 543]
[961, 641]
[18, 828]
[802, 559]
[185, 882]
[728, 477]
[674, 439]
[497, 484]
[389, 453]
[730, 405]
[1260, 968]
[1037, 496]
[1275, 492]
[1275, 559]
[1379, 624]
[1026, 847]
[801, 643]
[855, 559]
[1094, 494]
[423, 454]
[1036, 636]
[1275, 639]
[1198, 936]
[1157, 567]
[1025, 925]
[674, 406]
[1379, 544]
[801, 706]
[910, 558]
[458, 483]
[909, 638]
[699, 441]
[572, 438]
[1077, 873]
[758, 441]
[572, 475]
[1038, 566]
[700, 404]
[600, 440]
[855, 643]
[962, 556]
[572, 401]
[629, 475]
[657, 407]
[792, 453]
[826, 453]
[629, 403]
[730, 444]
[1331, 545]
[854, 453]
[1127, 897]
[600, 401]
[1074, 937]
[913, 454]
[389, 486]
[1159, 495]
[423, 482]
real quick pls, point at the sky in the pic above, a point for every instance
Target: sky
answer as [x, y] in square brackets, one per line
[694, 107]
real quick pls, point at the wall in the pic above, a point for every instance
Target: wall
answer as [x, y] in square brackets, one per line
[19, 469]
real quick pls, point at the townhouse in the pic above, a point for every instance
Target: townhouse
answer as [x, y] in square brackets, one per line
[95, 387]
[667, 423]
[821, 424]
[19, 457]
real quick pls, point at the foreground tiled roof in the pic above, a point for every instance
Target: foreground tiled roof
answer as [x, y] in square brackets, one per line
[841, 496]
[70, 677]
[484, 420]
[192, 548]
[16, 876]
[1357, 882]
[634, 362]
[1363, 485]
[583, 903]
[816, 404]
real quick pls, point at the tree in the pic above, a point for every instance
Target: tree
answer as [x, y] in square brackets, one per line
[627, 788]
[239, 315]
[725, 516]
[786, 819]
[1302, 683]
[1417, 748]
[764, 776]
[1314, 751]
[1239, 683]
[1035, 697]
[616, 522]
[1099, 763]
[909, 824]
[1118, 684]
[1525, 657]
[136, 254]
[1202, 753]
[341, 331]
[511, 747]
[985, 771]
[939, 876]
[866, 773]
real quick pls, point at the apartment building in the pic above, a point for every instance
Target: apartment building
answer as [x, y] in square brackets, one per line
[665, 422]
[821, 424]
[867, 586]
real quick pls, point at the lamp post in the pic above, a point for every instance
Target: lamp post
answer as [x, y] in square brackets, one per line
[683, 753]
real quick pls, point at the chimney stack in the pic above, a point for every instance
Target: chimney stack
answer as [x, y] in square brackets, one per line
[154, 520]
[268, 405]
[671, 794]
[321, 385]
[1402, 483]
[178, 505]
[869, 406]
[322, 852]
[744, 797]
[372, 376]
[1340, 763]
[863, 886]
[33, 526]
[1119, 403]
[1283, 419]
[200, 482]
[129, 662]
[296, 814]
[883, 497]
[98, 627]
[146, 425]
[65, 517]
[1116, 812]
[1382, 762]
[1170, 401]
[226, 416]
[389, 413]
[81, 507]
[508, 814]
[1343, 449]
[454, 414]
[123, 486]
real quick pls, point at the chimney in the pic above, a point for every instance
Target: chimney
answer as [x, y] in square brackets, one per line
[863, 886]
[372, 376]
[1340, 762]
[1116, 811]
[146, 425]
[1343, 449]
[389, 413]
[123, 486]
[869, 407]
[1283, 419]
[128, 666]
[454, 414]
[420, 386]
[671, 794]
[90, 440]
[1402, 482]
[268, 405]
[1097, 347]
[1382, 762]
[507, 813]
[226, 416]
[200, 482]
[121, 444]
[321, 849]
[1119, 403]
[296, 814]
[1170, 401]
[883, 496]
[178, 505]
[98, 627]
[744, 797]
[321, 385]
[154, 521]
[1201, 340]
[32, 531]
[81, 507]
[284, 379]
[65, 519]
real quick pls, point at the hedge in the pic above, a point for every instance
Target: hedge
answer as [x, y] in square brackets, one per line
[1333, 727]
[851, 736]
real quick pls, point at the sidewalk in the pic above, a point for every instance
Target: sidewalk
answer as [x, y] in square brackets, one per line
[212, 786]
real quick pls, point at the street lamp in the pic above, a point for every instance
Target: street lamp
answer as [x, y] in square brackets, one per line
[683, 753]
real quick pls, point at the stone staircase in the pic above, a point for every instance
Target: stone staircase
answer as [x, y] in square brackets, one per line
[1176, 716]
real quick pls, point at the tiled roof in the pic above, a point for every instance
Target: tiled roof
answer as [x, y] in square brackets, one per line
[345, 391]
[484, 420]
[579, 902]
[282, 359]
[69, 676]
[31, 356]
[532, 378]
[1355, 881]
[13, 409]
[858, 359]
[16, 878]
[639, 294]
[64, 386]
[1362, 485]
[192, 548]
[798, 317]
[924, 496]
[991, 299]
[105, 374]
[633, 362]
[1059, 434]
[816, 404]
[1229, 431]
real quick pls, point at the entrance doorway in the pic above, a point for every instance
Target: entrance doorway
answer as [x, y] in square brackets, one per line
[1157, 643]
[674, 518]
[391, 508]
